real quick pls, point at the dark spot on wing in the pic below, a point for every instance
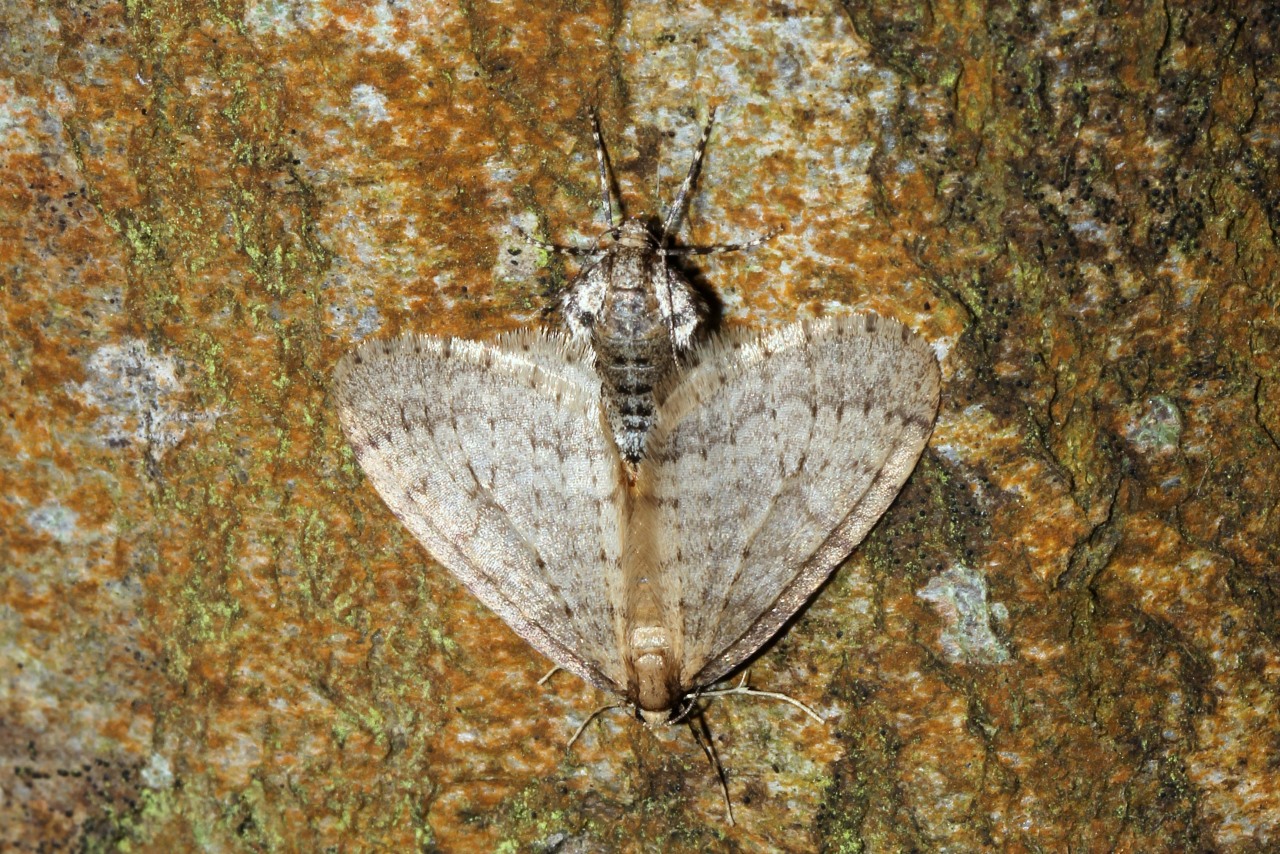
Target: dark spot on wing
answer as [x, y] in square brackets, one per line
[918, 422]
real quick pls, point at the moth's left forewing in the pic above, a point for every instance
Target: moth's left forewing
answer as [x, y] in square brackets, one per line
[772, 459]
[496, 457]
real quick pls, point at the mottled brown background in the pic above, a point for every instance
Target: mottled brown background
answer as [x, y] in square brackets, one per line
[215, 636]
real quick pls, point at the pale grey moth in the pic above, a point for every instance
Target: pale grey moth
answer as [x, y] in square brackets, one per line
[646, 511]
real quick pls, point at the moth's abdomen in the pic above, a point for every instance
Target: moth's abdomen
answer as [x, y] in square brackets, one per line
[630, 374]
[634, 354]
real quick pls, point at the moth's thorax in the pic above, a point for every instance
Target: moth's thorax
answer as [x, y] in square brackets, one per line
[654, 676]
[632, 338]
[640, 316]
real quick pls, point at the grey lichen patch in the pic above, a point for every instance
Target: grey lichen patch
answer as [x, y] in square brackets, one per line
[158, 773]
[368, 105]
[959, 594]
[54, 519]
[358, 320]
[139, 395]
[1158, 429]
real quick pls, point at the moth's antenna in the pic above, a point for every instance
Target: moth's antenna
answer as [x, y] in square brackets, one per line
[709, 749]
[720, 247]
[556, 247]
[606, 204]
[591, 717]
[741, 688]
[550, 673]
[682, 196]
[602, 161]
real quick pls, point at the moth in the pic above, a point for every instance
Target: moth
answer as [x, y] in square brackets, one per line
[645, 508]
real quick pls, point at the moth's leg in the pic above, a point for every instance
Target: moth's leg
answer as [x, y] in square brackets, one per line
[704, 741]
[602, 162]
[682, 196]
[741, 688]
[690, 706]
[591, 717]
[722, 247]
[555, 247]
[549, 674]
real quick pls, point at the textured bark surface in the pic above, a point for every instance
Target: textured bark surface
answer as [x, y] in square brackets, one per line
[214, 634]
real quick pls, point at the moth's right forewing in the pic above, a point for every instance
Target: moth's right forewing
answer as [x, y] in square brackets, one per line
[495, 456]
[773, 458]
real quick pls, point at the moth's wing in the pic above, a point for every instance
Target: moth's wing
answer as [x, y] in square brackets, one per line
[496, 457]
[771, 460]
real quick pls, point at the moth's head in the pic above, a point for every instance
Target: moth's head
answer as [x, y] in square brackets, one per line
[655, 719]
[634, 233]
